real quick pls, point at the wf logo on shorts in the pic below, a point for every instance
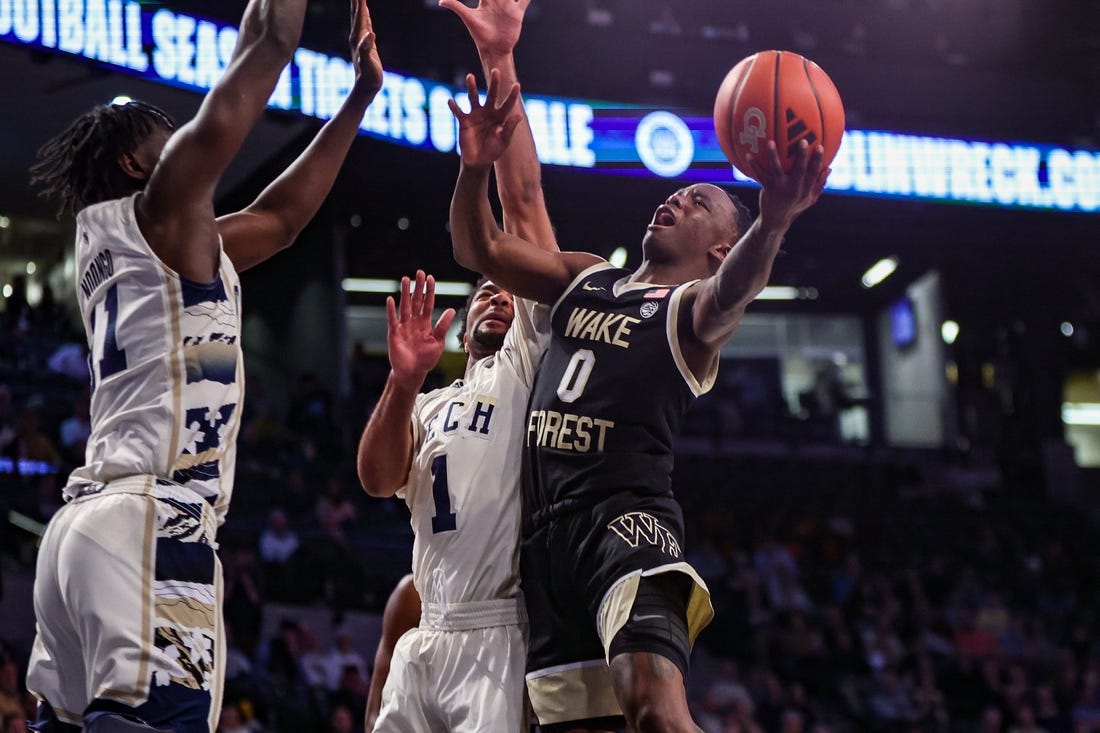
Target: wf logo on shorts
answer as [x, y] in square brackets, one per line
[638, 527]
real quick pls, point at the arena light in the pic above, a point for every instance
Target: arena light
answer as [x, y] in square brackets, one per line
[389, 287]
[618, 257]
[778, 292]
[1067, 329]
[1081, 413]
[949, 331]
[879, 272]
[122, 99]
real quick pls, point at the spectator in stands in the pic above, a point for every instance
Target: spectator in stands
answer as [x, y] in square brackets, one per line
[75, 430]
[341, 656]
[278, 541]
[334, 510]
[9, 423]
[31, 443]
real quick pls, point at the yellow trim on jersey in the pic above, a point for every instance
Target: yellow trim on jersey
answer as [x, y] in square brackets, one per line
[586, 272]
[672, 330]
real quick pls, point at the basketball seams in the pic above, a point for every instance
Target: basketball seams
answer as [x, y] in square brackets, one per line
[817, 98]
[775, 110]
[745, 74]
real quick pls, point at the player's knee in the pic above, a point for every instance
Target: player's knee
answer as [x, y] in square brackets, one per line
[647, 713]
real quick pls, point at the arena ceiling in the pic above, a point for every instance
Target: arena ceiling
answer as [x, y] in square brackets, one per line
[1023, 70]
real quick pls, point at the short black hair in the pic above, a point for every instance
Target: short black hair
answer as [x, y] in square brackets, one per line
[742, 217]
[466, 308]
[79, 167]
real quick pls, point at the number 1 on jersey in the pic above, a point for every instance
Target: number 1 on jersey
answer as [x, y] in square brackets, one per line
[444, 519]
[107, 357]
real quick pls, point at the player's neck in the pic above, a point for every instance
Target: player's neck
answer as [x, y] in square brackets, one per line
[663, 273]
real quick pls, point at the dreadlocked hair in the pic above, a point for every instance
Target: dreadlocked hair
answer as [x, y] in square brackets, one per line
[80, 166]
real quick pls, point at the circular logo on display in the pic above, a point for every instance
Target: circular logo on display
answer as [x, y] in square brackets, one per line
[649, 308]
[664, 144]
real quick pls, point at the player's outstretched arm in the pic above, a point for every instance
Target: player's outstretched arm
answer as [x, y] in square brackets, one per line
[495, 26]
[479, 243]
[176, 211]
[719, 302]
[274, 220]
[414, 346]
[401, 614]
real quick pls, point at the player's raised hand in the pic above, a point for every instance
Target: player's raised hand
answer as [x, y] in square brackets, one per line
[364, 49]
[414, 344]
[784, 196]
[494, 25]
[485, 131]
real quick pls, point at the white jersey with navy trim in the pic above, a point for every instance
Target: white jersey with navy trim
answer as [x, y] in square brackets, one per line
[166, 362]
[464, 484]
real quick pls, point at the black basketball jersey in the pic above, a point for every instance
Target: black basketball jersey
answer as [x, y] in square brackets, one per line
[609, 396]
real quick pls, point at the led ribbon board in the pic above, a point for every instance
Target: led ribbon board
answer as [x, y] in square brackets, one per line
[183, 50]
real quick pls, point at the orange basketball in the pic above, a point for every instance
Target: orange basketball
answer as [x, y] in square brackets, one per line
[780, 96]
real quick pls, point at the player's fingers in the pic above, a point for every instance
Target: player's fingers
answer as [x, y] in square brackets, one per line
[444, 323]
[429, 295]
[510, 101]
[772, 153]
[456, 7]
[471, 91]
[455, 109]
[406, 299]
[391, 312]
[509, 126]
[418, 294]
[493, 90]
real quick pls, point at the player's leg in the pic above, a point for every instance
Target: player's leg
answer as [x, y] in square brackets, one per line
[56, 672]
[651, 607]
[649, 656]
[480, 679]
[140, 581]
[568, 680]
[407, 686]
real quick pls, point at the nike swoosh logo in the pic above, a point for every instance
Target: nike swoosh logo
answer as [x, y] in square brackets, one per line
[648, 616]
[593, 288]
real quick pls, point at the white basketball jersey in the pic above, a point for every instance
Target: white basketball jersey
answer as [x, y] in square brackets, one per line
[464, 483]
[167, 370]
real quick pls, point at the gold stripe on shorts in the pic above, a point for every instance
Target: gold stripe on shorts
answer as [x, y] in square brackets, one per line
[572, 692]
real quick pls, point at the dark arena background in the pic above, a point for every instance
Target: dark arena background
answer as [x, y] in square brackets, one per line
[893, 489]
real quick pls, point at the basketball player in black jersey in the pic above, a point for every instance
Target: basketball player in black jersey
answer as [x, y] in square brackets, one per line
[613, 607]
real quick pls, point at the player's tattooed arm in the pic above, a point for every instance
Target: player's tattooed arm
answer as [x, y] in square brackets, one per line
[717, 304]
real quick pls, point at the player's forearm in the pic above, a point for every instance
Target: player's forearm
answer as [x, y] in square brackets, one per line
[297, 194]
[385, 448]
[274, 26]
[518, 171]
[742, 276]
[473, 228]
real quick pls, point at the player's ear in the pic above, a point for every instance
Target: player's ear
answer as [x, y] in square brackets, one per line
[717, 254]
[465, 343]
[132, 167]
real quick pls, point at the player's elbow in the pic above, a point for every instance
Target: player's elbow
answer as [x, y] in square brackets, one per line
[376, 482]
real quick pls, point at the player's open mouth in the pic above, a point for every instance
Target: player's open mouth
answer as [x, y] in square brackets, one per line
[664, 217]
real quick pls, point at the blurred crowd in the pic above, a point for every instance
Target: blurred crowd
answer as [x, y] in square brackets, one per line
[846, 601]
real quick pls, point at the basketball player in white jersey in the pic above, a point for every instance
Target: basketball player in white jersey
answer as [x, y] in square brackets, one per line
[128, 586]
[457, 466]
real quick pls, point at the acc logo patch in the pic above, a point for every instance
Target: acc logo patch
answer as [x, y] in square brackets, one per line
[649, 308]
